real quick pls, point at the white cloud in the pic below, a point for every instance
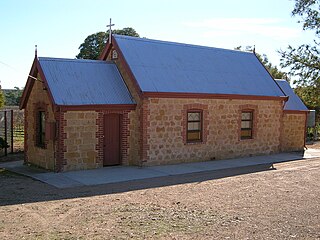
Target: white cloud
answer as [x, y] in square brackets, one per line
[264, 27]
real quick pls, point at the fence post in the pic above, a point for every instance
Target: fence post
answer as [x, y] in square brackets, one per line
[5, 132]
[11, 130]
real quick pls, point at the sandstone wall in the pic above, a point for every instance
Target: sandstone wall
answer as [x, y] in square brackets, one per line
[167, 122]
[43, 157]
[293, 132]
[80, 143]
[157, 131]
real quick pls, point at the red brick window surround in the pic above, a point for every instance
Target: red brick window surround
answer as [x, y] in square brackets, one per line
[246, 124]
[194, 123]
[194, 126]
[41, 128]
[40, 125]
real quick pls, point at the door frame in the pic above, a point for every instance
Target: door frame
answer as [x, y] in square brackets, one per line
[120, 138]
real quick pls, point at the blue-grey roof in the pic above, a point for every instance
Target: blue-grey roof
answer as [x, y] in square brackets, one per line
[84, 82]
[160, 66]
[294, 102]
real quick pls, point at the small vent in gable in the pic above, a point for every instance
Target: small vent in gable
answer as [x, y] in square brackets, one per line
[114, 54]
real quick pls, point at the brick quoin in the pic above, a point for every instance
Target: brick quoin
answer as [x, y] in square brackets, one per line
[144, 125]
[61, 148]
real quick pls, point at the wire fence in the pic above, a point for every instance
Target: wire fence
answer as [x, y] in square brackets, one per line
[11, 131]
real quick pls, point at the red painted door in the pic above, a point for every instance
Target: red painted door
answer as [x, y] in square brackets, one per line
[111, 143]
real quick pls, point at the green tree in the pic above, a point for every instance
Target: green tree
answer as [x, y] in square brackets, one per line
[1, 99]
[128, 31]
[273, 69]
[12, 96]
[307, 94]
[94, 44]
[303, 61]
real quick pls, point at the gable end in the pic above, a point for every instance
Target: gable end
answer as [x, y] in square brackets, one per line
[35, 70]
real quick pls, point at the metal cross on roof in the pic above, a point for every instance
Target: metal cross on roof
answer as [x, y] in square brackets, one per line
[110, 30]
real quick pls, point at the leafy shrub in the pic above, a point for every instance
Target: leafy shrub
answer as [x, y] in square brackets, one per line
[3, 143]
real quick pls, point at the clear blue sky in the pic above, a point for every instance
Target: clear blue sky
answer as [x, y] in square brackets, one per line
[58, 27]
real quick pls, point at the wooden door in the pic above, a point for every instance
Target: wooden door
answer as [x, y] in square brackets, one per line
[111, 145]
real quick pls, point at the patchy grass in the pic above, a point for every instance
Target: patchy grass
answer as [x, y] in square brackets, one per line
[154, 219]
[6, 173]
[12, 157]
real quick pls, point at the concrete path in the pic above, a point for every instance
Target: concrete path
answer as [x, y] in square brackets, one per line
[122, 173]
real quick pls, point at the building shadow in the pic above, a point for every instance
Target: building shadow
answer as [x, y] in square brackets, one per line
[30, 190]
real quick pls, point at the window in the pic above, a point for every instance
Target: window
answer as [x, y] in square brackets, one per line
[194, 123]
[246, 124]
[194, 126]
[41, 128]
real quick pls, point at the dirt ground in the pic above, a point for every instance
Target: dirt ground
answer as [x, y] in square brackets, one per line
[315, 145]
[247, 203]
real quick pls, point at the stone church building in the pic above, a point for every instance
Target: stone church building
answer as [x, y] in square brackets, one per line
[149, 102]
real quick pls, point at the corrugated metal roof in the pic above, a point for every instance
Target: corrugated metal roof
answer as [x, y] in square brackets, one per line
[160, 66]
[84, 82]
[294, 102]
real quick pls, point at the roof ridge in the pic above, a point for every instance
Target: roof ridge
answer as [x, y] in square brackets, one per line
[72, 60]
[177, 43]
